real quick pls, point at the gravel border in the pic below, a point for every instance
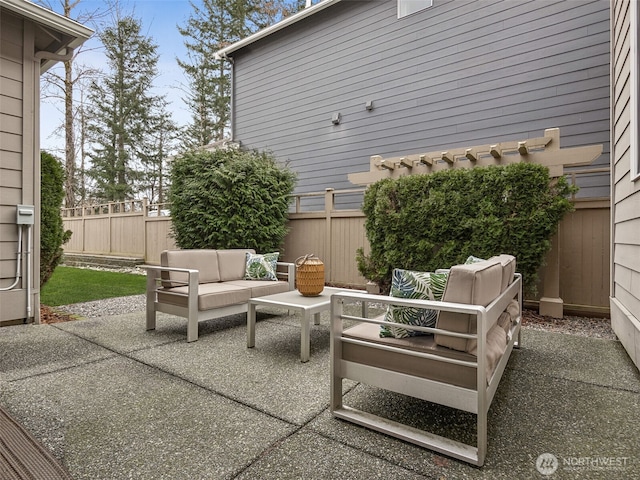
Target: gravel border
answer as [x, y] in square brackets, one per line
[107, 307]
[593, 327]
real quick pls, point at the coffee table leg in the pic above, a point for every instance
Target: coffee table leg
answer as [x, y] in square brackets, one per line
[251, 326]
[316, 319]
[304, 337]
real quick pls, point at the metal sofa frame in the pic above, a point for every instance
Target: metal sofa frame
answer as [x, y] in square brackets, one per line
[476, 401]
[191, 312]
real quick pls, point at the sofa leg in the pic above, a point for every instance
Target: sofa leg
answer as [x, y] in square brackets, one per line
[151, 314]
[482, 436]
[151, 299]
[192, 329]
[151, 319]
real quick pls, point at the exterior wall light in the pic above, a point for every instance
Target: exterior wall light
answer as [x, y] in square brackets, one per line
[336, 118]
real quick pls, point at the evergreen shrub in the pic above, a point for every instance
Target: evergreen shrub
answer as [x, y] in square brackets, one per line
[52, 232]
[230, 199]
[426, 222]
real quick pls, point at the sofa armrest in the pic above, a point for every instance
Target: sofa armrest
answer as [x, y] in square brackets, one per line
[154, 273]
[385, 301]
[290, 274]
[491, 312]
[154, 280]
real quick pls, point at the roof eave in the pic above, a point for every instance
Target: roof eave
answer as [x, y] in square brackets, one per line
[48, 18]
[265, 32]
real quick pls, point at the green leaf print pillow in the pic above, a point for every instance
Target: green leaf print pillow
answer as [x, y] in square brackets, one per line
[261, 267]
[415, 285]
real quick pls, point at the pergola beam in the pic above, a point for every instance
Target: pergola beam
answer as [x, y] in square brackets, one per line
[542, 150]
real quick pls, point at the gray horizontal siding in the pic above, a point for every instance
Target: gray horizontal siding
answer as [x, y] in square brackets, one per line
[11, 36]
[626, 193]
[11, 107]
[459, 73]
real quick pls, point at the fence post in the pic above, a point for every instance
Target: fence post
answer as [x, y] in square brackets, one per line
[84, 230]
[145, 213]
[550, 303]
[110, 214]
[328, 209]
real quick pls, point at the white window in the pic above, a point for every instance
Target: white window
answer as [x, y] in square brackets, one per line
[635, 92]
[407, 7]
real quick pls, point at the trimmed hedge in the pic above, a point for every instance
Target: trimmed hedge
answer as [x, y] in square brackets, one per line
[230, 199]
[52, 232]
[426, 222]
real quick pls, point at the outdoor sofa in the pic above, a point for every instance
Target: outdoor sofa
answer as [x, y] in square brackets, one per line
[458, 363]
[204, 284]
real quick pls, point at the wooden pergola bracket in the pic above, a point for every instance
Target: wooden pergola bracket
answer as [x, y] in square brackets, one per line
[471, 154]
[447, 157]
[405, 162]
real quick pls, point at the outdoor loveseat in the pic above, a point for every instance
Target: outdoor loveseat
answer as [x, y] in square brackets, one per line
[458, 363]
[205, 284]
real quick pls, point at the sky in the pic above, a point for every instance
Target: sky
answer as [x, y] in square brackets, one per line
[159, 20]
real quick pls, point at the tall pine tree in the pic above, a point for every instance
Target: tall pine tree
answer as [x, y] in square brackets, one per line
[123, 110]
[160, 141]
[212, 26]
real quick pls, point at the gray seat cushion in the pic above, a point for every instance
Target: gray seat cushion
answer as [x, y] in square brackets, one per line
[259, 288]
[210, 295]
[452, 374]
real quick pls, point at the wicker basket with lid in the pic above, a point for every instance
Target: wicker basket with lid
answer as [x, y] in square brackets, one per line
[309, 275]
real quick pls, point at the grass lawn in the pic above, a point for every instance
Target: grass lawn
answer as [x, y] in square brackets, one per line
[74, 285]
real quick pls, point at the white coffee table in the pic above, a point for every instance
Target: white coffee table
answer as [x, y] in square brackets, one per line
[293, 300]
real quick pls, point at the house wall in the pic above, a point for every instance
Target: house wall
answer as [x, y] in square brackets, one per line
[19, 162]
[463, 72]
[625, 211]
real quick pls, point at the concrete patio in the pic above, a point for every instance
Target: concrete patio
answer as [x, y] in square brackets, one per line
[113, 401]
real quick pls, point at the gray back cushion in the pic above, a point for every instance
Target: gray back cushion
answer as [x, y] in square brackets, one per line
[233, 263]
[508, 269]
[203, 260]
[475, 284]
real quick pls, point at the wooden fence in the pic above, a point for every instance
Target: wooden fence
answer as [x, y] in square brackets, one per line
[138, 229]
[133, 229]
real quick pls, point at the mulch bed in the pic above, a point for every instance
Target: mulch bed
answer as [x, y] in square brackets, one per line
[51, 315]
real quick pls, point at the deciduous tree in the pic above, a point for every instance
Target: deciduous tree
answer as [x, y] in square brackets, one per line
[61, 84]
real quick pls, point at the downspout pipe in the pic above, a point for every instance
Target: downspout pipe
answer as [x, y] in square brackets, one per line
[232, 99]
[56, 57]
[28, 253]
